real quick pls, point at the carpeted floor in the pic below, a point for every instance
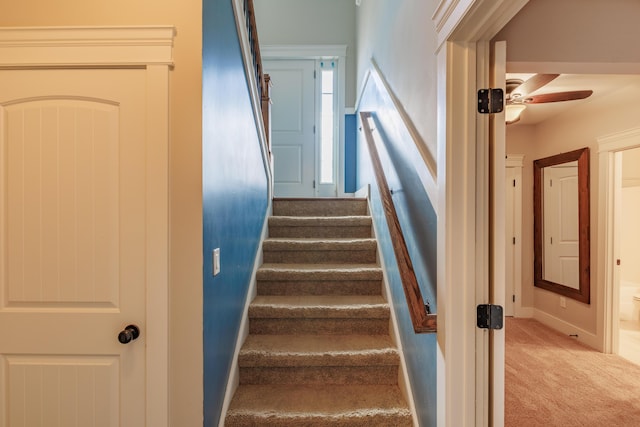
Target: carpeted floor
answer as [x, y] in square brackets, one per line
[552, 380]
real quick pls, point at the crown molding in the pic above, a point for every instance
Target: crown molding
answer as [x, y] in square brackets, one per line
[86, 46]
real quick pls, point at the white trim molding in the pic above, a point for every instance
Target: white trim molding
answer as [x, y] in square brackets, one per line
[86, 46]
[472, 19]
[608, 147]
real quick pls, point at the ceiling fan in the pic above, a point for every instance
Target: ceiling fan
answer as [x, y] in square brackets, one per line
[518, 94]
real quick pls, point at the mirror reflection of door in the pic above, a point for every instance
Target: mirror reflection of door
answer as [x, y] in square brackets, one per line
[561, 244]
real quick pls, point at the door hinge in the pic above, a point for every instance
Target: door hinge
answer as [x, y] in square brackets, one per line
[314, 129]
[490, 101]
[513, 298]
[314, 183]
[314, 74]
[514, 182]
[514, 240]
[490, 316]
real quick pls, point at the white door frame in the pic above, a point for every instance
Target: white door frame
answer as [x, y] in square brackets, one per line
[149, 48]
[318, 52]
[609, 172]
[464, 28]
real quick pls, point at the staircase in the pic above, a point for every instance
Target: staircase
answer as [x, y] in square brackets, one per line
[319, 352]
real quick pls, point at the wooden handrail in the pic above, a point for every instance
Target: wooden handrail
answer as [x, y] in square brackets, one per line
[423, 321]
[263, 80]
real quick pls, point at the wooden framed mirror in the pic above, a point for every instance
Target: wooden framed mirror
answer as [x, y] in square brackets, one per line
[561, 228]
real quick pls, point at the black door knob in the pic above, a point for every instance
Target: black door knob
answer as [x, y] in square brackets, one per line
[130, 333]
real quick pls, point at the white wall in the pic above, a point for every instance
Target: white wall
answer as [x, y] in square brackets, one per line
[400, 36]
[291, 22]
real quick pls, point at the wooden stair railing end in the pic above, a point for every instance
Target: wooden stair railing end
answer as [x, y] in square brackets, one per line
[423, 321]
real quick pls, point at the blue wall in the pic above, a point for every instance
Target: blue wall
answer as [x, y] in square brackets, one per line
[350, 152]
[235, 196]
[419, 224]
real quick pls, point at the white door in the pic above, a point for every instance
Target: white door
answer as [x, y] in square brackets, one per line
[293, 126]
[510, 232]
[73, 247]
[561, 252]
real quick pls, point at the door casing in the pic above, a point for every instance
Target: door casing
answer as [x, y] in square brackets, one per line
[464, 29]
[318, 52]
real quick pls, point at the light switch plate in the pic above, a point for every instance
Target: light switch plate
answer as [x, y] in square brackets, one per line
[216, 261]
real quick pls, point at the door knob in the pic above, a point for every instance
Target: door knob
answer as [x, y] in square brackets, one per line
[130, 333]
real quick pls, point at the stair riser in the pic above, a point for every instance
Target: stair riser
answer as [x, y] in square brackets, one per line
[275, 420]
[318, 326]
[320, 257]
[319, 207]
[320, 232]
[363, 287]
[321, 375]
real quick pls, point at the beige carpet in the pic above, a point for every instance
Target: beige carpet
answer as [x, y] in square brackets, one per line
[552, 380]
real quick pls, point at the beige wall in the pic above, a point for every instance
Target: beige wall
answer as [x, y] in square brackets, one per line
[603, 33]
[185, 166]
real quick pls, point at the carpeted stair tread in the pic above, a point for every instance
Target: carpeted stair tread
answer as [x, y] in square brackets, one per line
[327, 271]
[333, 405]
[319, 306]
[320, 226]
[327, 250]
[327, 243]
[319, 207]
[319, 221]
[318, 350]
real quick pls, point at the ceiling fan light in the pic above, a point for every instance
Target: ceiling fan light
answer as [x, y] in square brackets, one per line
[513, 112]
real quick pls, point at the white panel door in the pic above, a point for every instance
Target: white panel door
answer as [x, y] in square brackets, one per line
[72, 246]
[292, 126]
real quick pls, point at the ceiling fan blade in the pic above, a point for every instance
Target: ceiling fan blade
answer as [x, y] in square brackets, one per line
[534, 83]
[558, 97]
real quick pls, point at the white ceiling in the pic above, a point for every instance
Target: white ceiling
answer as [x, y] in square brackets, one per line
[603, 85]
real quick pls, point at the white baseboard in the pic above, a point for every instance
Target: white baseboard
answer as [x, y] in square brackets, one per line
[526, 312]
[567, 328]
